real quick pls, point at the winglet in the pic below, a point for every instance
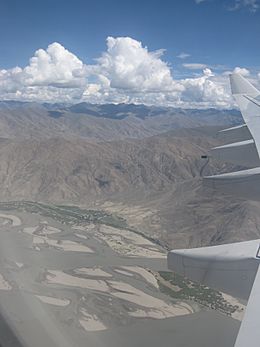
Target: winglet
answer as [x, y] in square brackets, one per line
[239, 85]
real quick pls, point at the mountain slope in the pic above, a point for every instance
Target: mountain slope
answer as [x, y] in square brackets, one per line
[57, 169]
[146, 173]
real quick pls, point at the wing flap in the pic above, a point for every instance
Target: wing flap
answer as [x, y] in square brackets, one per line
[243, 153]
[234, 134]
[244, 183]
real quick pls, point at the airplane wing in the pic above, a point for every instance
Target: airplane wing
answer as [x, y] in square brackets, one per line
[230, 268]
[246, 149]
[249, 333]
[233, 268]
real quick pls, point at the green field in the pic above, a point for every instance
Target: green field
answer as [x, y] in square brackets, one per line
[182, 289]
[65, 214]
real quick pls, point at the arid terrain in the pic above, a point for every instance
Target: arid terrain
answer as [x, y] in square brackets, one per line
[142, 163]
[82, 272]
[91, 199]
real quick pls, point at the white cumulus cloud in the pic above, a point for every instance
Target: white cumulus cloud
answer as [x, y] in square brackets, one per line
[127, 71]
[54, 66]
[242, 71]
[128, 65]
[207, 90]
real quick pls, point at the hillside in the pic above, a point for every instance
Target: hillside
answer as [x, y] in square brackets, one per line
[76, 170]
[188, 215]
[149, 171]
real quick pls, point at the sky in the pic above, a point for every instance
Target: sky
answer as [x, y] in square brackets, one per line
[169, 53]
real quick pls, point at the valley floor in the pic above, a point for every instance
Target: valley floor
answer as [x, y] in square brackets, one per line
[71, 275]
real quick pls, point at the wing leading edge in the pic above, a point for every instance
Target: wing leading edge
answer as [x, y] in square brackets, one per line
[233, 268]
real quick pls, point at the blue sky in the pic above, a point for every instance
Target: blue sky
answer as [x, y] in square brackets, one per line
[220, 34]
[208, 31]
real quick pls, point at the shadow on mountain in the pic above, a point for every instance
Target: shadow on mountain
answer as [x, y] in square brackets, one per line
[55, 114]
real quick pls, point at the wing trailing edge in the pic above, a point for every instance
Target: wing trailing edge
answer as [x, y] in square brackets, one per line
[243, 183]
[248, 100]
[235, 134]
[249, 332]
[230, 268]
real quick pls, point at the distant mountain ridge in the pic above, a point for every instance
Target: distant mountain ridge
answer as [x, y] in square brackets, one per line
[106, 122]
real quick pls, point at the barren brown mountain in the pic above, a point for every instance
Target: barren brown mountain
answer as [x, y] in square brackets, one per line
[142, 163]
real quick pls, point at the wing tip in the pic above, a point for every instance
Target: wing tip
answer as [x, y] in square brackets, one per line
[240, 85]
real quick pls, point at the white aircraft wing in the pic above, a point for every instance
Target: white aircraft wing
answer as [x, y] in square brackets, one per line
[248, 100]
[233, 268]
[246, 151]
[249, 333]
[230, 268]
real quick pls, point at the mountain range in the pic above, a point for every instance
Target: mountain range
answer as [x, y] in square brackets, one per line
[101, 122]
[143, 163]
